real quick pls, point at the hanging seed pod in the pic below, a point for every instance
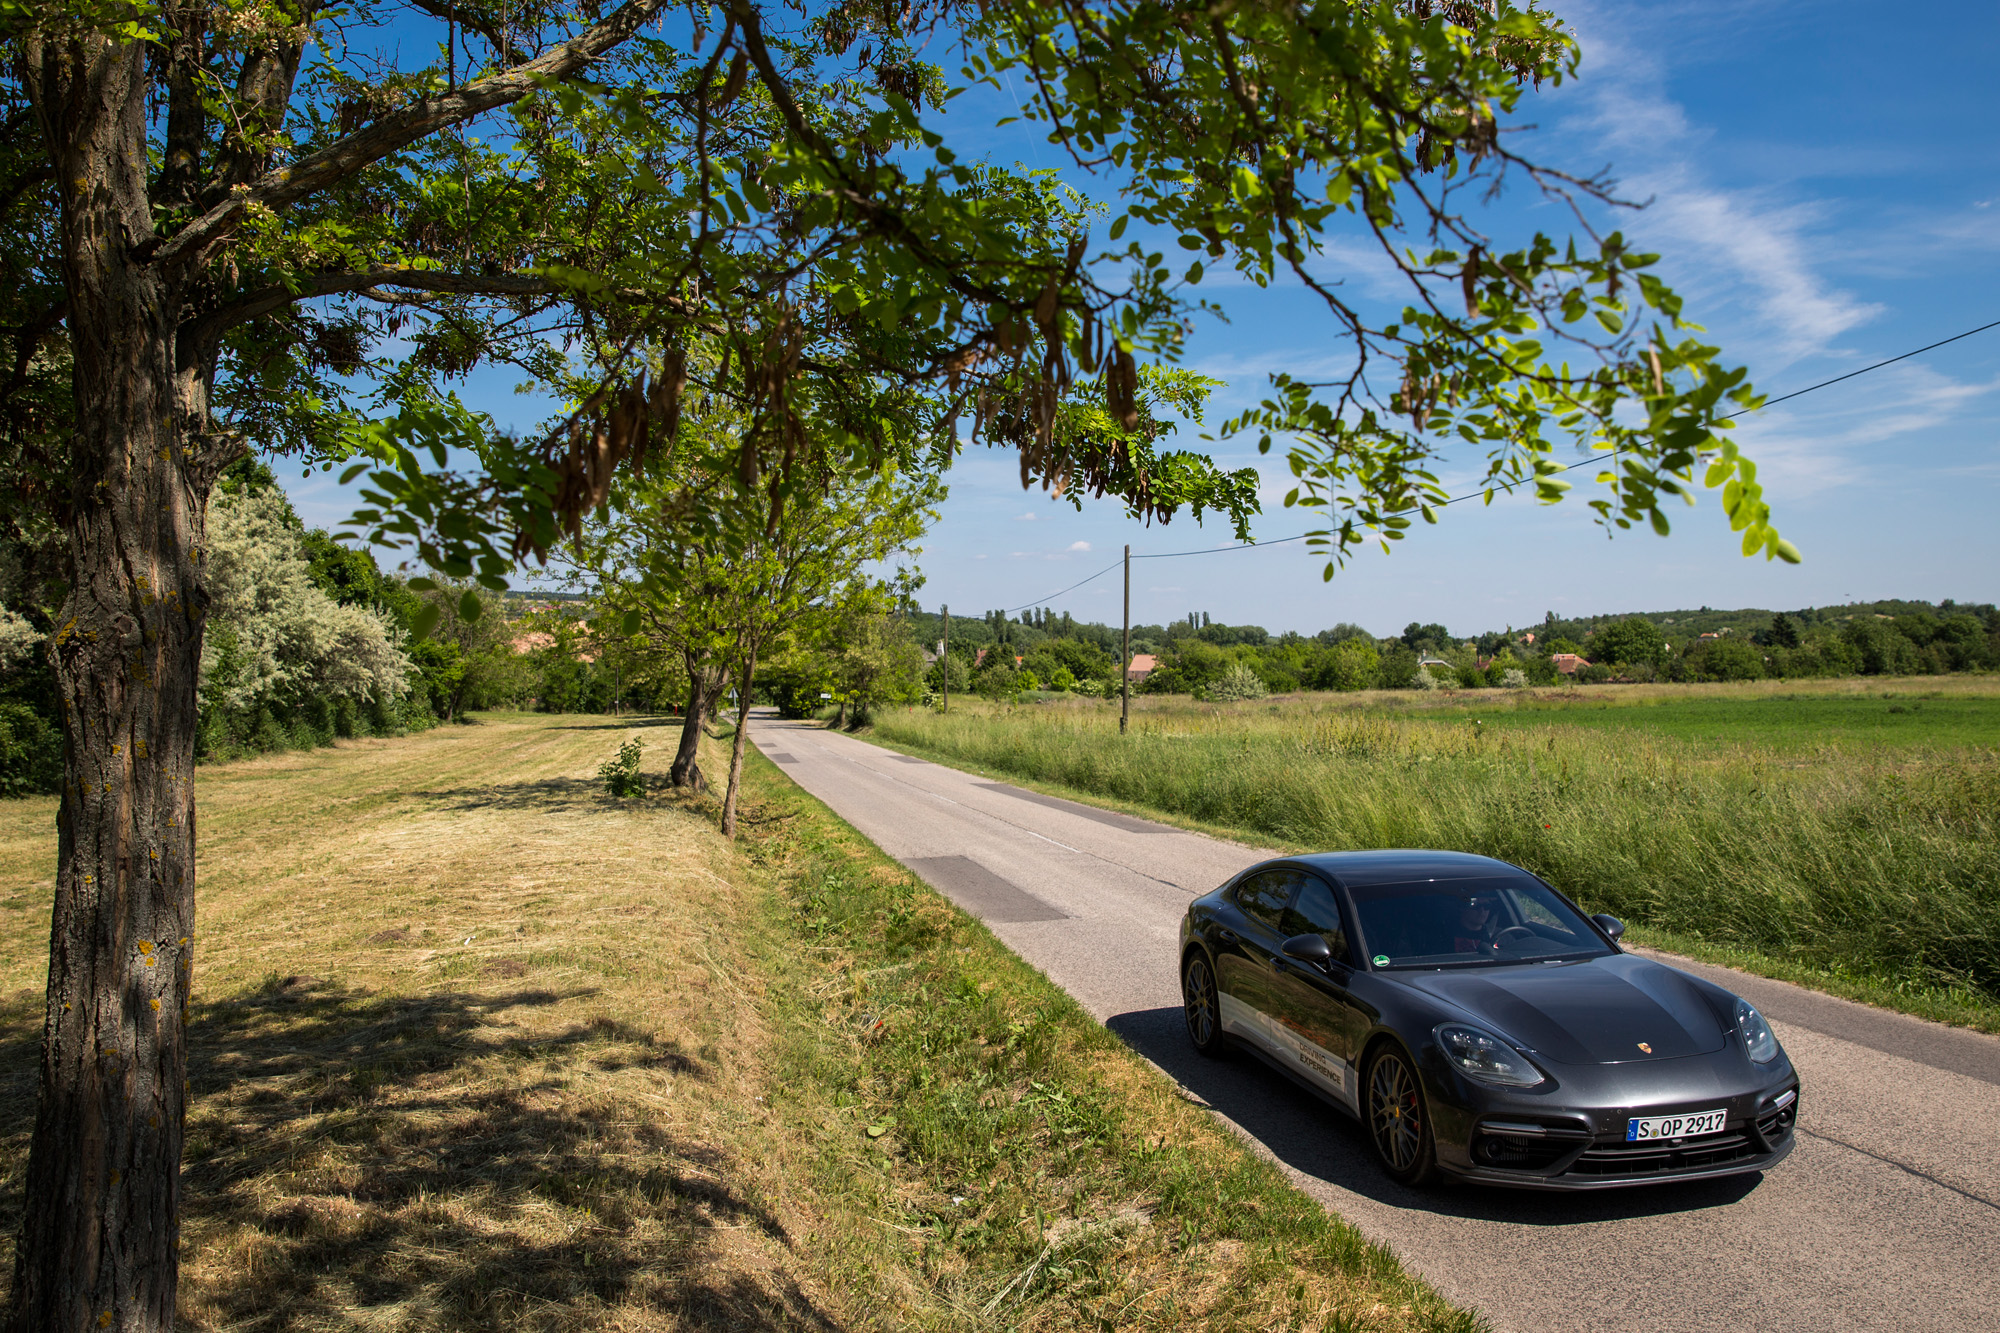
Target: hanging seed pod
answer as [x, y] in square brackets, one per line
[1659, 379]
[732, 83]
[623, 423]
[1005, 337]
[1121, 387]
[598, 465]
[1470, 280]
[1045, 309]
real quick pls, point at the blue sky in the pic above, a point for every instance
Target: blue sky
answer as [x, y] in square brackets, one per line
[1825, 190]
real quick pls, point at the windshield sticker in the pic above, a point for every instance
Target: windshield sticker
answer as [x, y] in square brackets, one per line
[1381, 960]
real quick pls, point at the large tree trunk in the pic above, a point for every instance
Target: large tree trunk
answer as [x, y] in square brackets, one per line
[704, 683]
[736, 744]
[99, 1242]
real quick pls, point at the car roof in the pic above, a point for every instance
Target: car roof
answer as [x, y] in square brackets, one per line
[1401, 865]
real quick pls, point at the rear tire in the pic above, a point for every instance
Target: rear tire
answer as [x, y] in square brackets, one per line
[1201, 1004]
[1399, 1121]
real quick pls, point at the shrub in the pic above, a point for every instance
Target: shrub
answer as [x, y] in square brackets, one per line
[1238, 682]
[1514, 679]
[1351, 664]
[1424, 680]
[31, 752]
[621, 776]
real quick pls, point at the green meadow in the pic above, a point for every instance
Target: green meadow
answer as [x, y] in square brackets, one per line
[1813, 833]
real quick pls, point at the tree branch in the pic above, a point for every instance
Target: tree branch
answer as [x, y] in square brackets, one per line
[257, 304]
[195, 243]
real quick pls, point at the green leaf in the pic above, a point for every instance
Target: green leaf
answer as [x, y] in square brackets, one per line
[424, 621]
[469, 606]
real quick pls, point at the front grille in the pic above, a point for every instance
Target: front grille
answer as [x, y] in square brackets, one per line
[1654, 1158]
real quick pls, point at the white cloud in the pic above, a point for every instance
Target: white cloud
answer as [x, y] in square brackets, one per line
[1079, 546]
[1028, 517]
[1753, 247]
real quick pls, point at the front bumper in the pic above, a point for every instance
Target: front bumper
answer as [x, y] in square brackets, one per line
[1525, 1144]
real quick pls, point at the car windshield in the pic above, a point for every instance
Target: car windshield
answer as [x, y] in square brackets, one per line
[1470, 923]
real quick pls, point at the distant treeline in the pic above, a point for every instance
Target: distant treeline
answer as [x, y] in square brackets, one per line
[999, 654]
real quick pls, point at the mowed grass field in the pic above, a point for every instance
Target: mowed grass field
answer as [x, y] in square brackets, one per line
[476, 1047]
[1805, 830]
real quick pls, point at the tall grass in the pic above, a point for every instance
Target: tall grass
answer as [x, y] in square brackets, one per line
[1881, 865]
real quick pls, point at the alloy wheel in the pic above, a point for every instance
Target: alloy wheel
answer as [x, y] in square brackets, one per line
[1198, 994]
[1396, 1113]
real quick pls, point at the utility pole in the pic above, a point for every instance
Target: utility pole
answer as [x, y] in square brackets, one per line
[1125, 664]
[944, 659]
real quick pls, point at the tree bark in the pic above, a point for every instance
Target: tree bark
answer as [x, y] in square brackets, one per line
[704, 682]
[736, 745]
[99, 1244]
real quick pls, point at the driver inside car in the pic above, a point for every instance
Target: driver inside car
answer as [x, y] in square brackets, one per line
[1475, 927]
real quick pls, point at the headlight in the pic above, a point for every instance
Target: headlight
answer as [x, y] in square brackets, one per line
[1485, 1057]
[1757, 1038]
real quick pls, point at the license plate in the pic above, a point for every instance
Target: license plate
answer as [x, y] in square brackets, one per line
[1642, 1128]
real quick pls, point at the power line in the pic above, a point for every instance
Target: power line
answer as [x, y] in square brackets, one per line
[1508, 488]
[1071, 588]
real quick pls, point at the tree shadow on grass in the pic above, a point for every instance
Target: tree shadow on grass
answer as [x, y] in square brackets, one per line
[546, 795]
[614, 722]
[444, 1161]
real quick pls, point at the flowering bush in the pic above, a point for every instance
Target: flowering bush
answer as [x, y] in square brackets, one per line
[1238, 682]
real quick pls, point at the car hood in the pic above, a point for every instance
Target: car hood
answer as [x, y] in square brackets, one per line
[1601, 1011]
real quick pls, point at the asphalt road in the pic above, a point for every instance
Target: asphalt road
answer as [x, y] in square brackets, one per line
[1886, 1215]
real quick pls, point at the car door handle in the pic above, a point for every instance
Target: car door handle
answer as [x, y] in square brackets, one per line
[1226, 935]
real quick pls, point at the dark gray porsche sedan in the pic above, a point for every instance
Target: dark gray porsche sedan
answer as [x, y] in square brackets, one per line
[1481, 1026]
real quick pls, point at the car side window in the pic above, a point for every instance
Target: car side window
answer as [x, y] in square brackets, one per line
[1265, 896]
[1316, 912]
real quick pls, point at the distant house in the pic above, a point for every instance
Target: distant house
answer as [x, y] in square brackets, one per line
[1567, 664]
[1143, 665]
[1529, 637]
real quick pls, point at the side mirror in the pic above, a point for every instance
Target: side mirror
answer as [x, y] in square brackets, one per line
[1307, 949]
[1612, 925]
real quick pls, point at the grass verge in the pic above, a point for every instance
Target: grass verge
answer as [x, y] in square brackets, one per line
[478, 1047]
[1872, 876]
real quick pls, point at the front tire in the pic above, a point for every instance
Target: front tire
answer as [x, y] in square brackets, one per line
[1399, 1121]
[1201, 1004]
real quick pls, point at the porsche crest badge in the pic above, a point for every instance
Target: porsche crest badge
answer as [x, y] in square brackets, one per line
[1646, 1048]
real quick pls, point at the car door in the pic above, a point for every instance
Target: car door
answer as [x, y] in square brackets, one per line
[1314, 1021]
[1244, 977]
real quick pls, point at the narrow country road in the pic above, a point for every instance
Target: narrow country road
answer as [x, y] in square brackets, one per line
[1887, 1216]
